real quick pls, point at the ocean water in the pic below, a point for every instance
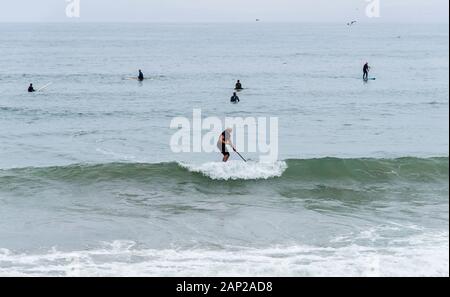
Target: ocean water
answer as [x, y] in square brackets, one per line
[90, 187]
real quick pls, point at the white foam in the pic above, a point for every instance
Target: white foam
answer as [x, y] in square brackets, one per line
[420, 255]
[235, 170]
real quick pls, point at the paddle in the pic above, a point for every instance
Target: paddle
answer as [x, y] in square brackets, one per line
[239, 154]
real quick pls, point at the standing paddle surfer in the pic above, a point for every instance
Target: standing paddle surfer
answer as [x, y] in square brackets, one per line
[141, 75]
[366, 69]
[224, 140]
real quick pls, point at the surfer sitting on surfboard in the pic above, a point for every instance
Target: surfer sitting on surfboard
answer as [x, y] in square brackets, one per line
[238, 86]
[366, 70]
[141, 75]
[31, 89]
[234, 98]
[224, 140]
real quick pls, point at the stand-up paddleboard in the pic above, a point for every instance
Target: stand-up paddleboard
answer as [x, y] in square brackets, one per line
[44, 87]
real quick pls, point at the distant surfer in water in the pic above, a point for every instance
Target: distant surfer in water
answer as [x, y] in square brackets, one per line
[224, 140]
[31, 89]
[141, 75]
[366, 70]
[235, 98]
[238, 86]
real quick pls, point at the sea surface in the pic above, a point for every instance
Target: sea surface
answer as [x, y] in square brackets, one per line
[89, 184]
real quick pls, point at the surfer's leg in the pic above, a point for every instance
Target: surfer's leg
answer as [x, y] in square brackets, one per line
[226, 156]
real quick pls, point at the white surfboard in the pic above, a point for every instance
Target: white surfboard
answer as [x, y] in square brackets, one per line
[44, 87]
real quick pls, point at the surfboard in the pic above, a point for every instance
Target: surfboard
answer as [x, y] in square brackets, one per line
[43, 88]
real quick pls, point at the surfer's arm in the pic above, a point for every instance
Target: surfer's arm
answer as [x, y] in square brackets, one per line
[223, 141]
[226, 142]
[230, 144]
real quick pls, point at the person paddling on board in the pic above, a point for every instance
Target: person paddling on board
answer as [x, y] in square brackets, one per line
[31, 89]
[224, 140]
[238, 85]
[141, 75]
[366, 70]
[234, 98]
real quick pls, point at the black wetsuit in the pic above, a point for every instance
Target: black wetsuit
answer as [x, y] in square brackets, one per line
[238, 86]
[366, 72]
[31, 89]
[235, 99]
[141, 76]
[221, 144]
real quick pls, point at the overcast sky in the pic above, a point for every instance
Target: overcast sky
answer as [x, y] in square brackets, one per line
[406, 11]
